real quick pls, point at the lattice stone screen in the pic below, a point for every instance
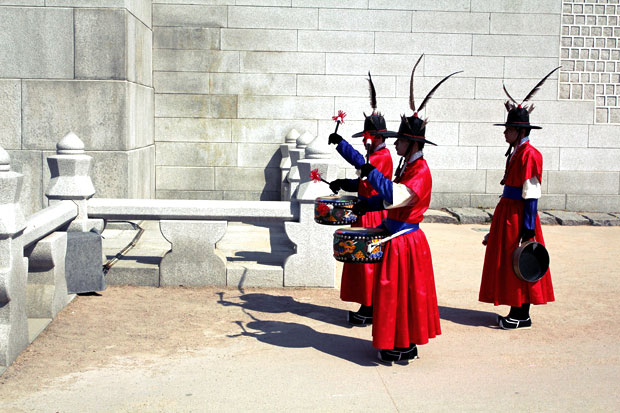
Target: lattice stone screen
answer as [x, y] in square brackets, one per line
[590, 55]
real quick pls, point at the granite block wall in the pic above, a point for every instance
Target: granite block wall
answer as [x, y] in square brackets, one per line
[196, 95]
[83, 66]
[232, 77]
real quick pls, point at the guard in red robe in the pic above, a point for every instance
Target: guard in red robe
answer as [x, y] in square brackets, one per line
[405, 311]
[516, 220]
[358, 279]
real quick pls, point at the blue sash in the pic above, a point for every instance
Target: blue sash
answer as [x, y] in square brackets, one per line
[512, 192]
[394, 226]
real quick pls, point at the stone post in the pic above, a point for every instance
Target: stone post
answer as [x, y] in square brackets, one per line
[296, 154]
[193, 259]
[285, 163]
[47, 285]
[13, 266]
[70, 180]
[313, 264]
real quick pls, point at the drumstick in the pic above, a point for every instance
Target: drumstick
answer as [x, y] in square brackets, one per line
[339, 118]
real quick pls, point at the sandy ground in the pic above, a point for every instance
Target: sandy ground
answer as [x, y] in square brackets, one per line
[217, 349]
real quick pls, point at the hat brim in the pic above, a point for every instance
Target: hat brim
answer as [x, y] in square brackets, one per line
[385, 134]
[517, 125]
[424, 140]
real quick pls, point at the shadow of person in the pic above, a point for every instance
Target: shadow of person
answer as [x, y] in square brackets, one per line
[267, 303]
[294, 335]
[474, 318]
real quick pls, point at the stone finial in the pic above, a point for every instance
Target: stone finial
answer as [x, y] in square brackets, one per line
[5, 160]
[70, 144]
[292, 136]
[318, 149]
[304, 140]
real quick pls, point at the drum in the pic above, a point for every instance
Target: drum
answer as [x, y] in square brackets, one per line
[335, 210]
[530, 261]
[351, 244]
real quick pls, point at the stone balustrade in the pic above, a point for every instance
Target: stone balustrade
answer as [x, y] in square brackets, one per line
[35, 252]
[193, 228]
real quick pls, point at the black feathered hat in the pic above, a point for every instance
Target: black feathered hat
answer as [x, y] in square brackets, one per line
[375, 123]
[412, 127]
[519, 115]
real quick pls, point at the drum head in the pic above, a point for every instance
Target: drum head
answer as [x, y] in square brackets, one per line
[338, 199]
[531, 261]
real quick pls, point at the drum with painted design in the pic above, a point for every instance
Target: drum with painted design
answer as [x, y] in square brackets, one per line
[335, 210]
[351, 244]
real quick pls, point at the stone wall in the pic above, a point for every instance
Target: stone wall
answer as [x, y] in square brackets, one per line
[232, 77]
[81, 66]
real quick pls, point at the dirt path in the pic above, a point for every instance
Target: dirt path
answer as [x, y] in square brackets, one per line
[207, 349]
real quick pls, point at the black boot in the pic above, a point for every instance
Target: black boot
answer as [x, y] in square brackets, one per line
[518, 317]
[362, 317]
[398, 355]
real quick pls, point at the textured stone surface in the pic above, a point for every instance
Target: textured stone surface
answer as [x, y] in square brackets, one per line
[10, 116]
[195, 60]
[106, 115]
[44, 222]
[192, 130]
[601, 219]
[281, 62]
[369, 20]
[584, 183]
[31, 165]
[252, 84]
[47, 286]
[193, 260]
[273, 18]
[14, 269]
[83, 264]
[546, 219]
[197, 106]
[470, 215]
[595, 203]
[438, 216]
[37, 42]
[183, 178]
[568, 218]
[189, 15]
[254, 275]
[181, 82]
[186, 38]
[260, 40]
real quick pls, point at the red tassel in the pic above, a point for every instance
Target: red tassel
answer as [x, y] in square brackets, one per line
[315, 175]
[339, 117]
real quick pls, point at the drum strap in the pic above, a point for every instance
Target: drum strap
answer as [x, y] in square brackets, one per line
[407, 228]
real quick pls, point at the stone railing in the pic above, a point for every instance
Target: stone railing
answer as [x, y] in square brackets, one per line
[193, 228]
[35, 252]
[32, 259]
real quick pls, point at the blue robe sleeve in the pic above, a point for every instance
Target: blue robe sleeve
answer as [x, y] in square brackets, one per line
[529, 214]
[350, 154]
[382, 185]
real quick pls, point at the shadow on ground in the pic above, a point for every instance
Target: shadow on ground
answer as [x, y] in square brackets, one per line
[296, 335]
[467, 317]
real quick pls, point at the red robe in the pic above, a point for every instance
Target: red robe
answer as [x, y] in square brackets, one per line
[405, 301]
[500, 285]
[358, 279]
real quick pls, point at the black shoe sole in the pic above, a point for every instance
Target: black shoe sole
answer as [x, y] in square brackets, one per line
[357, 320]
